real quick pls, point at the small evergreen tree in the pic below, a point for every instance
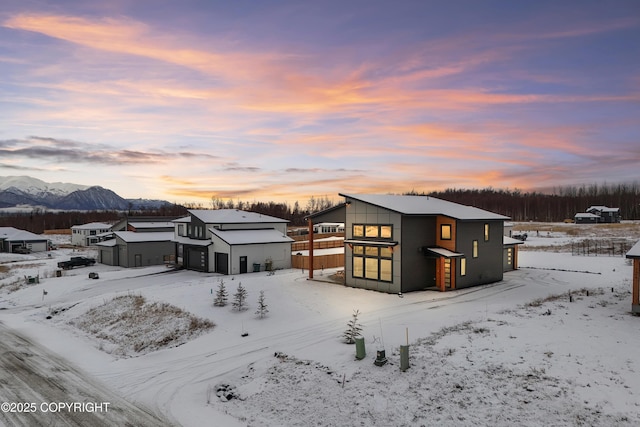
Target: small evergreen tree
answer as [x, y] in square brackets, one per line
[354, 329]
[240, 298]
[262, 307]
[221, 295]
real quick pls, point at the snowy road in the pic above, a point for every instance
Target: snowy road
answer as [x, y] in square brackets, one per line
[38, 388]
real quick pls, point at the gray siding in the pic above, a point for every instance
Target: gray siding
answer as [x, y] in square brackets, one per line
[418, 270]
[142, 254]
[488, 266]
[363, 213]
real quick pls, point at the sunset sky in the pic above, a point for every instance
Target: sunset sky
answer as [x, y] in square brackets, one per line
[280, 100]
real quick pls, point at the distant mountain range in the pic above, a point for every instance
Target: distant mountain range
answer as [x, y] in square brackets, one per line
[24, 191]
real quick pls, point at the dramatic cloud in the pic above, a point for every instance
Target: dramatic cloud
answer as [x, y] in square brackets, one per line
[205, 100]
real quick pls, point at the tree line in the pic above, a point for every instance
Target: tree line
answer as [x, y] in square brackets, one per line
[557, 205]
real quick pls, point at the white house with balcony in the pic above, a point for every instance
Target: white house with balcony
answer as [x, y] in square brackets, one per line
[89, 234]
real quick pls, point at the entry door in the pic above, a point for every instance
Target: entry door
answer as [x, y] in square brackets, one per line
[447, 273]
[243, 264]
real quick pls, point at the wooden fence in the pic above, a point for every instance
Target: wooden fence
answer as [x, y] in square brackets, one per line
[319, 261]
[317, 244]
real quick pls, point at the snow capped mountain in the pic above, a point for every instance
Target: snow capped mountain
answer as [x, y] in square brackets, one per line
[25, 190]
[37, 187]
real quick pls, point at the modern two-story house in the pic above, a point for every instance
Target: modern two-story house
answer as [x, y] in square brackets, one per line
[231, 241]
[399, 243]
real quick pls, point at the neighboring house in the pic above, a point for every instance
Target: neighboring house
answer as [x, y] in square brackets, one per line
[407, 243]
[131, 249]
[145, 224]
[634, 254]
[231, 241]
[586, 218]
[598, 214]
[15, 240]
[510, 252]
[89, 234]
[328, 227]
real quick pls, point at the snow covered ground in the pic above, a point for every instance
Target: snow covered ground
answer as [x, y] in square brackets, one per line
[554, 343]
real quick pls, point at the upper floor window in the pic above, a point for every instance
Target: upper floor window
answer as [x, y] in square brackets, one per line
[445, 232]
[475, 249]
[373, 231]
[486, 232]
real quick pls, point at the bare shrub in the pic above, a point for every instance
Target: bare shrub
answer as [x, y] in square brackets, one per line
[135, 326]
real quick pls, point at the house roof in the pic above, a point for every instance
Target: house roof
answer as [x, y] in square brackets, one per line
[424, 205]
[107, 243]
[153, 224]
[634, 252]
[586, 215]
[92, 226]
[232, 216]
[248, 237]
[133, 237]
[602, 209]
[506, 240]
[14, 234]
[192, 242]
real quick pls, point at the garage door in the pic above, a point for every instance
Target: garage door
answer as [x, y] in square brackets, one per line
[197, 259]
[222, 263]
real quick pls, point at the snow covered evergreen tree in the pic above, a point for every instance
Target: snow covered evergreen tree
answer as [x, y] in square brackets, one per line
[354, 329]
[240, 298]
[262, 307]
[221, 295]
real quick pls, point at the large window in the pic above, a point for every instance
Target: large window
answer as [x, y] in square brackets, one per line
[373, 263]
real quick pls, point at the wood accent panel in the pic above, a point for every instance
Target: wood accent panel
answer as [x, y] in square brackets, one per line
[447, 244]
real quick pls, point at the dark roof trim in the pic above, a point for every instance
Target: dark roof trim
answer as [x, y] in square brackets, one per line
[326, 211]
[371, 242]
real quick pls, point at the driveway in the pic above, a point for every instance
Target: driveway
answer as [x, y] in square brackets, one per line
[38, 388]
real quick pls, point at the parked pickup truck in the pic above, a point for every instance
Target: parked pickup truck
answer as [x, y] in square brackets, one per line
[76, 261]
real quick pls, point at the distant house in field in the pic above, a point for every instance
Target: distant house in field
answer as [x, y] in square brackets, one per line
[231, 241]
[328, 227]
[408, 243]
[88, 234]
[586, 218]
[131, 249]
[14, 240]
[634, 254]
[597, 215]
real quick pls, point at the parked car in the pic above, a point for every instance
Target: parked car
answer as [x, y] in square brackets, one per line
[520, 236]
[76, 261]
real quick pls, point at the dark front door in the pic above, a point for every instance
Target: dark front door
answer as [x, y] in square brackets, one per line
[243, 264]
